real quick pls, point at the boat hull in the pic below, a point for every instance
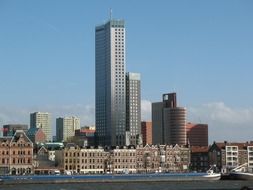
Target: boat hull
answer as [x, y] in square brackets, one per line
[241, 176]
[212, 177]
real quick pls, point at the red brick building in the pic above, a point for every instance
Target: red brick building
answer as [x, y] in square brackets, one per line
[146, 131]
[16, 154]
[197, 134]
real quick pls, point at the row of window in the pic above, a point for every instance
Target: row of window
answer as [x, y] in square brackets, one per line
[124, 160]
[14, 145]
[124, 166]
[119, 36]
[118, 29]
[119, 55]
[91, 154]
[16, 161]
[84, 161]
[119, 52]
[84, 167]
[119, 49]
[119, 43]
[14, 152]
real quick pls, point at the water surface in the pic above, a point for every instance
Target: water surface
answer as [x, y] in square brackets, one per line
[189, 185]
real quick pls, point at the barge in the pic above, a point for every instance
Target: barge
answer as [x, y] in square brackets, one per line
[156, 177]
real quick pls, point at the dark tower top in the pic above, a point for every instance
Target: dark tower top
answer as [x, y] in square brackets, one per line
[170, 100]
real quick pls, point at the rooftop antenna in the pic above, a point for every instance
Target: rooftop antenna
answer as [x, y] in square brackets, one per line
[110, 13]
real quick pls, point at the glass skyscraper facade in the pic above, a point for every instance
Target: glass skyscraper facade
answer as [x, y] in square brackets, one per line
[110, 83]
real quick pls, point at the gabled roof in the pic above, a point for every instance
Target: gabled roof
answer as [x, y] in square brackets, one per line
[176, 146]
[20, 134]
[32, 131]
[42, 149]
[147, 146]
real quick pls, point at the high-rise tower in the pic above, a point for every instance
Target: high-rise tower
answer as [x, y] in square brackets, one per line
[110, 83]
[42, 120]
[133, 108]
[168, 121]
[65, 127]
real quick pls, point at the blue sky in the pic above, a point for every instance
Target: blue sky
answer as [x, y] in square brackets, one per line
[203, 50]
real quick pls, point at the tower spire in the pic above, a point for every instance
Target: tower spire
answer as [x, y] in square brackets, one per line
[110, 13]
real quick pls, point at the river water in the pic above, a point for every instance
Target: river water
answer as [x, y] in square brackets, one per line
[189, 185]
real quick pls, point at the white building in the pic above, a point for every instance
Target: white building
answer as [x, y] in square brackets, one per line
[133, 107]
[232, 156]
[65, 127]
[42, 120]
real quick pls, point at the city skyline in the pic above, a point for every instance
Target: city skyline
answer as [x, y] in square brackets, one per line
[200, 50]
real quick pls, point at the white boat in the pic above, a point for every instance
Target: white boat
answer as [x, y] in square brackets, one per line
[210, 175]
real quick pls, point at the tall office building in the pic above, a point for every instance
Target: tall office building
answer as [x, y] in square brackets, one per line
[133, 108]
[110, 83]
[42, 120]
[168, 121]
[174, 124]
[157, 123]
[65, 127]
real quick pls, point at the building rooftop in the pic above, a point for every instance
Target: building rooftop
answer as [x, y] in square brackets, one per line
[242, 145]
[199, 149]
[32, 131]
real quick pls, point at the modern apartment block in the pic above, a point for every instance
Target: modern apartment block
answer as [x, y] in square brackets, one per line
[227, 156]
[110, 83]
[65, 128]
[133, 108]
[197, 134]
[10, 129]
[168, 121]
[42, 120]
[146, 131]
